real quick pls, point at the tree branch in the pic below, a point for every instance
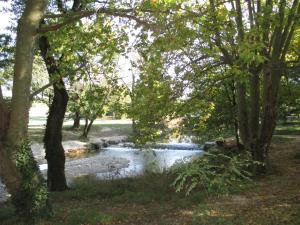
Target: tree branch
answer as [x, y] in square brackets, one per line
[75, 16]
[40, 90]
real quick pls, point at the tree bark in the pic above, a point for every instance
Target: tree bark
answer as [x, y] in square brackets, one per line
[254, 106]
[271, 85]
[242, 113]
[55, 153]
[1, 94]
[26, 37]
[236, 123]
[9, 173]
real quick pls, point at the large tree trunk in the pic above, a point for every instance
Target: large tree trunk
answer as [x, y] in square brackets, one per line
[8, 170]
[272, 74]
[26, 37]
[254, 107]
[55, 154]
[22, 179]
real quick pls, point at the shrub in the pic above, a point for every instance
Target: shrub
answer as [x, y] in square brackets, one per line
[216, 172]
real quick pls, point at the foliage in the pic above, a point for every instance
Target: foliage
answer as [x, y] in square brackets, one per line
[92, 101]
[31, 201]
[6, 59]
[216, 172]
[153, 99]
[6, 50]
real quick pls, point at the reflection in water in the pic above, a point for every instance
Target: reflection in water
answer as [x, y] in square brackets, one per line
[156, 160]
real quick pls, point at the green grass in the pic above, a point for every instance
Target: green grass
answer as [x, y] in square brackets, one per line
[288, 128]
[139, 190]
[281, 139]
[91, 201]
[36, 133]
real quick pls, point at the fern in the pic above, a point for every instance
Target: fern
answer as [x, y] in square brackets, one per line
[215, 172]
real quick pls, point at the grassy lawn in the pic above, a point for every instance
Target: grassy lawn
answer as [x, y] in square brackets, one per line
[271, 200]
[36, 133]
[292, 128]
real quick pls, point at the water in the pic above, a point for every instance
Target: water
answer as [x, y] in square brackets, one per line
[141, 161]
[119, 161]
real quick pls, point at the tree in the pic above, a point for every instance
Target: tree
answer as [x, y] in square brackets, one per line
[243, 41]
[18, 169]
[98, 12]
[154, 88]
[263, 39]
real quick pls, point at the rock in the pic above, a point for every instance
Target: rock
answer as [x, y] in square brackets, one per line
[71, 153]
[127, 145]
[74, 145]
[228, 144]
[113, 142]
[4, 196]
[209, 145]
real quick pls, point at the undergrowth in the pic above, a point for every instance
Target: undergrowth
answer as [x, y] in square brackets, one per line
[215, 172]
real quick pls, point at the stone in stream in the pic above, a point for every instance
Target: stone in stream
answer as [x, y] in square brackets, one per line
[166, 146]
[3, 193]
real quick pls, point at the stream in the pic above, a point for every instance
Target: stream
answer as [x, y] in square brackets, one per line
[119, 161]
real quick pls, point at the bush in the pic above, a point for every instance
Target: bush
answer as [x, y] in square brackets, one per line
[216, 172]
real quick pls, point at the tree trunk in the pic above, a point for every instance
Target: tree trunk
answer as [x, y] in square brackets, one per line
[22, 179]
[26, 37]
[8, 170]
[55, 153]
[272, 74]
[76, 123]
[254, 107]
[87, 127]
[242, 114]
[1, 94]
[236, 124]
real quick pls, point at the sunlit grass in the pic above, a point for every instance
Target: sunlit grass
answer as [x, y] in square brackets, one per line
[291, 128]
[36, 133]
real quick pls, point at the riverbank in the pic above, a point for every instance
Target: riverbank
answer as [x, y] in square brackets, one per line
[149, 199]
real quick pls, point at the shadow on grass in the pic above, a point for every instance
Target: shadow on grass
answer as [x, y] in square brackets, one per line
[90, 201]
[288, 128]
[36, 133]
